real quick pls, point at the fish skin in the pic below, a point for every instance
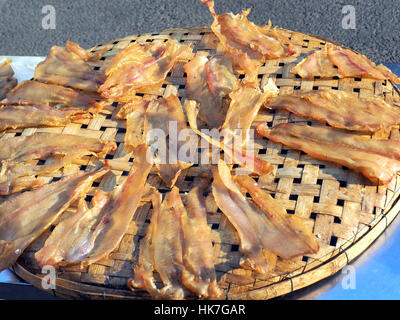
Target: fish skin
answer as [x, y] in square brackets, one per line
[209, 82]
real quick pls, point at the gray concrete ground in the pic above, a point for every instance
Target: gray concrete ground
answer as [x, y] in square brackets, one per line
[90, 22]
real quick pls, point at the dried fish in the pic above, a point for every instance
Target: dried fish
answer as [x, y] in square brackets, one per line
[68, 66]
[98, 231]
[18, 172]
[141, 65]
[247, 44]
[34, 92]
[209, 82]
[372, 158]
[340, 109]
[25, 115]
[25, 217]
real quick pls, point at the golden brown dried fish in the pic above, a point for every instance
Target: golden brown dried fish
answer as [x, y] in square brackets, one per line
[247, 44]
[144, 269]
[134, 111]
[178, 246]
[18, 172]
[352, 64]
[199, 274]
[6, 71]
[141, 65]
[67, 66]
[25, 115]
[7, 79]
[209, 81]
[30, 91]
[67, 241]
[334, 61]
[340, 109]
[246, 218]
[166, 134]
[362, 154]
[234, 153]
[166, 246]
[317, 64]
[25, 217]
[288, 236]
[246, 101]
[108, 221]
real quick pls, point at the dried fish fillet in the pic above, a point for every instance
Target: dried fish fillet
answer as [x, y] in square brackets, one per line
[351, 64]
[43, 144]
[108, 221]
[161, 124]
[6, 86]
[16, 155]
[141, 65]
[247, 44]
[209, 82]
[65, 242]
[334, 61]
[161, 250]
[265, 226]
[134, 111]
[235, 153]
[15, 183]
[6, 70]
[166, 134]
[178, 246]
[84, 54]
[144, 269]
[25, 217]
[340, 109]
[246, 101]
[67, 66]
[25, 115]
[362, 154]
[288, 235]
[7, 79]
[248, 220]
[317, 64]
[199, 274]
[30, 91]
[167, 241]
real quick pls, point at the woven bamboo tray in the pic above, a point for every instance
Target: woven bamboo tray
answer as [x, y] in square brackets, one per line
[346, 212]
